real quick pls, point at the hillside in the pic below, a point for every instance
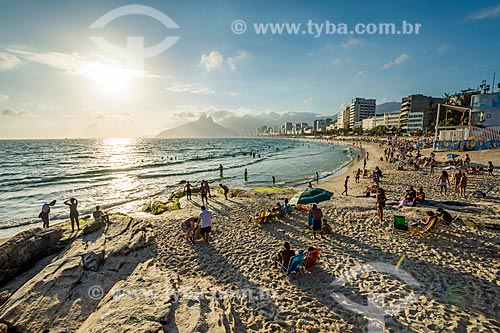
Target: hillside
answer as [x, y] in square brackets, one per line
[204, 127]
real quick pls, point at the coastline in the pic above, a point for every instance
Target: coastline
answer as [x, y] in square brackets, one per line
[455, 270]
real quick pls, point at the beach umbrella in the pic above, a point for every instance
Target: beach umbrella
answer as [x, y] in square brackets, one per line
[451, 156]
[310, 195]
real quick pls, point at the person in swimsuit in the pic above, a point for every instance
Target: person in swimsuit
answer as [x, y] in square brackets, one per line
[226, 190]
[73, 212]
[44, 214]
[99, 215]
[187, 188]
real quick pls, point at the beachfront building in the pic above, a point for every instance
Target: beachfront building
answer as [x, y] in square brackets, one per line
[360, 108]
[319, 126]
[417, 112]
[482, 128]
[343, 118]
[391, 119]
[370, 123]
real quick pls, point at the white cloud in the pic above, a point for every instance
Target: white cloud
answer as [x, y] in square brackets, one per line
[398, 61]
[190, 88]
[79, 64]
[352, 42]
[8, 61]
[485, 13]
[231, 61]
[308, 100]
[359, 73]
[442, 49]
[16, 113]
[4, 98]
[232, 93]
[212, 61]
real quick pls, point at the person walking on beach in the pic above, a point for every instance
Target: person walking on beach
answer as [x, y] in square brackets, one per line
[187, 188]
[357, 175]
[457, 177]
[73, 213]
[225, 189]
[381, 199]
[274, 180]
[345, 185]
[443, 181]
[221, 169]
[246, 175]
[44, 214]
[206, 223]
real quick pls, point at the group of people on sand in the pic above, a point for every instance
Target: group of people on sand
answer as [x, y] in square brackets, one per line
[460, 179]
[99, 216]
[284, 256]
[204, 191]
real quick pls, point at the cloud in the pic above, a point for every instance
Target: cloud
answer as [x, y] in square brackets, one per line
[4, 98]
[232, 93]
[308, 100]
[212, 61]
[191, 89]
[231, 62]
[442, 49]
[352, 42]
[359, 73]
[16, 113]
[398, 61]
[83, 65]
[485, 13]
[8, 61]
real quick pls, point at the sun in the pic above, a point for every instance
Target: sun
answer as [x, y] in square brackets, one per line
[110, 79]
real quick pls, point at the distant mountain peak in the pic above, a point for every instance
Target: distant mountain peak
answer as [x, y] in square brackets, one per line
[204, 127]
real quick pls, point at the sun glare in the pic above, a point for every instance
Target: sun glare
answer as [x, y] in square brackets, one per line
[111, 80]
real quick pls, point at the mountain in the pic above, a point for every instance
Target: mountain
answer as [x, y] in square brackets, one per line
[388, 107]
[204, 127]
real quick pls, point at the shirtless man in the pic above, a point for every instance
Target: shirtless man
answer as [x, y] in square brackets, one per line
[283, 256]
[187, 188]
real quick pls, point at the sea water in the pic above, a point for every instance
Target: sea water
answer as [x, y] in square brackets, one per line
[123, 174]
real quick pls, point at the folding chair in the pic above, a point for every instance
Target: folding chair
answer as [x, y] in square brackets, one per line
[312, 259]
[400, 223]
[295, 265]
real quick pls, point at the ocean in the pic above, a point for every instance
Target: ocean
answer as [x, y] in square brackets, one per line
[123, 174]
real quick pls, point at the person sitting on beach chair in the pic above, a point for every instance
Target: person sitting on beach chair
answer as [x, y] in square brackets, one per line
[312, 258]
[283, 256]
[427, 220]
[286, 208]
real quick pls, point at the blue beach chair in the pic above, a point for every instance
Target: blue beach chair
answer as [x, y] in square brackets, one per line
[295, 264]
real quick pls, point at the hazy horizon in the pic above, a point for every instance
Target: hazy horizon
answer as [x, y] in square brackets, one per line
[56, 81]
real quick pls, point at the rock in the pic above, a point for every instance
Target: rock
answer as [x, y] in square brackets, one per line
[93, 227]
[23, 250]
[4, 328]
[61, 295]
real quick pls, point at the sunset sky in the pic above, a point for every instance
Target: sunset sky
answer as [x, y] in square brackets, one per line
[55, 82]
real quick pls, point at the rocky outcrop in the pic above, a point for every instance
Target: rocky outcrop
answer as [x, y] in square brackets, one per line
[68, 289]
[24, 249]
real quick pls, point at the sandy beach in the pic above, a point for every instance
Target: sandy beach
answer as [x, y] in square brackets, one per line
[369, 276]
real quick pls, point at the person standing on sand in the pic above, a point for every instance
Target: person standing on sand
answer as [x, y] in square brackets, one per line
[490, 168]
[457, 177]
[225, 189]
[187, 188]
[463, 184]
[364, 164]
[317, 216]
[246, 174]
[203, 193]
[44, 214]
[73, 213]
[274, 180]
[206, 223]
[357, 175]
[443, 180]
[317, 177]
[345, 185]
[221, 169]
[381, 199]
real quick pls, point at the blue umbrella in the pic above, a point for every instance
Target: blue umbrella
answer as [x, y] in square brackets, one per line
[311, 195]
[451, 156]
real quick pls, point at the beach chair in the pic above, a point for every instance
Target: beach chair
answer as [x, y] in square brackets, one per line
[311, 259]
[295, 265]
[262, 218]
[400, 223]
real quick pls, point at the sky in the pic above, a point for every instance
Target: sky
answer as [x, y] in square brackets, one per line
[56, 81]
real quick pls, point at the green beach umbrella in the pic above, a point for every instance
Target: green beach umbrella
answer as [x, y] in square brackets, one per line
[311, 195]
